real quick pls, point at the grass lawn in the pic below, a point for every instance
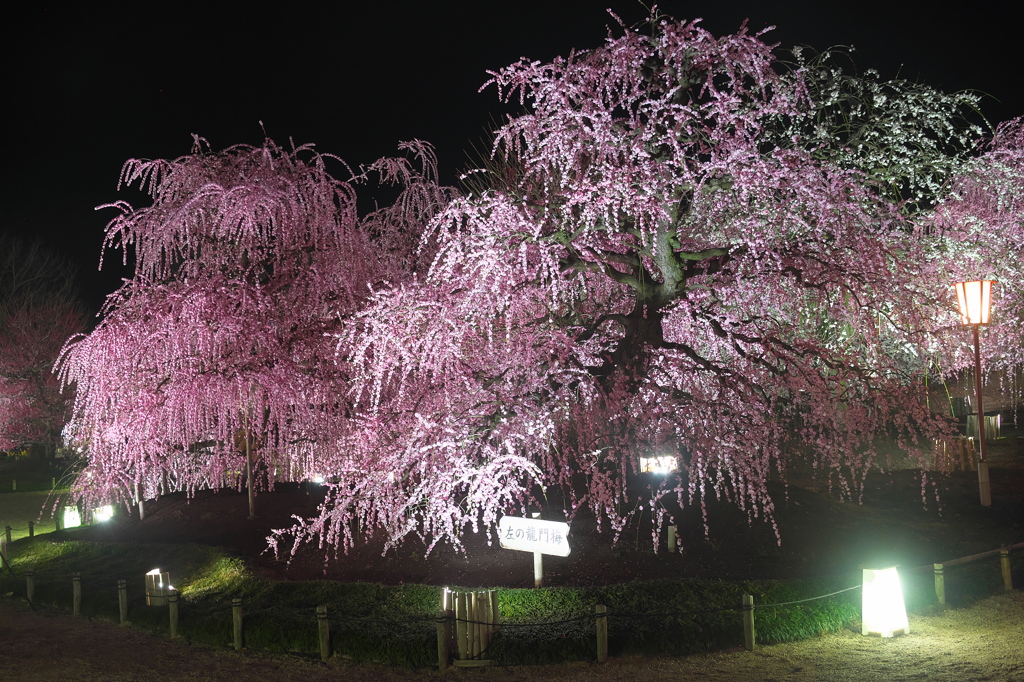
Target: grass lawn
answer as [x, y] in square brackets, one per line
[18, 509]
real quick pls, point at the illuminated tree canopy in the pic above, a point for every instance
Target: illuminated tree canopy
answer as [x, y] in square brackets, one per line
[977, 232]
[682, 246]
[221, 345]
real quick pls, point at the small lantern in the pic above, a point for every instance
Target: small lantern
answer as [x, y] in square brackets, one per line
[975, 301]
[665, 464]
[158, 587]
[883, 612]
[72, 519]
[104, 513]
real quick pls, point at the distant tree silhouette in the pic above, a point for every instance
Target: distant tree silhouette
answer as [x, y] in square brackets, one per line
[39, 310]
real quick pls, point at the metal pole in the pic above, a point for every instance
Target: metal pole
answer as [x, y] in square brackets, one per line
[984, 488]
[538, 563]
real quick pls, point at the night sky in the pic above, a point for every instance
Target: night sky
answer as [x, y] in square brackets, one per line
[87, 89]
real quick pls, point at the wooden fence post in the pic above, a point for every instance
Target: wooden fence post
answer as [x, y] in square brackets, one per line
[601, 611]
[122, 599]
[1004, 563]
[444, 637]
[671, 539]
[324, 630]
[172, 607]
[30, 584]
[474, 627]
[940, 583]
[495, 615]
[3, 553]
[31, 529]
[749, 634]
[76, 594]
[476, 616]
[461, 631]
[7, 533]
[236, 615]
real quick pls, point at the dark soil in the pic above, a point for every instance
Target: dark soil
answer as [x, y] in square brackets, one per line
[820, 535]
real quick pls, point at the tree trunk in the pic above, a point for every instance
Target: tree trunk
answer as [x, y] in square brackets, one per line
[248, 476]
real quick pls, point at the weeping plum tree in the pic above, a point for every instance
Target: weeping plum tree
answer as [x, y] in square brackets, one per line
[217, 356]
[684, 248]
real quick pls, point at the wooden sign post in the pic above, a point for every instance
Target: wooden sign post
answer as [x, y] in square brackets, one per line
[536, 536]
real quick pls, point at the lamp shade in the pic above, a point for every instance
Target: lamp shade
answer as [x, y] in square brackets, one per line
[975, 301]
[158, 587]
[883, 610]
[658, 465]
[104, 513]
[72, 517]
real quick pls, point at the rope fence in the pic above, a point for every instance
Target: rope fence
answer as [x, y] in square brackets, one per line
[467, 622]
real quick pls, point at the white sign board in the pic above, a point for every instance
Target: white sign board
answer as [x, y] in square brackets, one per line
[534, 535]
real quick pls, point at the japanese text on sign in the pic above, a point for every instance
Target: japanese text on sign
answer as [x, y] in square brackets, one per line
[534, 535]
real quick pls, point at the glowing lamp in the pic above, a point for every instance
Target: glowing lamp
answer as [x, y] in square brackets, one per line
[975, 301]
[72, 519]
[658, 465]
[317, 478]
[883, 612]
[158, 587]
[104, 513]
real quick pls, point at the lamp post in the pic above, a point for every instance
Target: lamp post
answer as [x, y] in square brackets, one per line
[975, 301]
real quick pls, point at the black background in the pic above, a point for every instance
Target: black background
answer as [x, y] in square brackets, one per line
[88, 88]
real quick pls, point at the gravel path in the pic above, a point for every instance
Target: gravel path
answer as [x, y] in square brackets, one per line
[983, 642]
